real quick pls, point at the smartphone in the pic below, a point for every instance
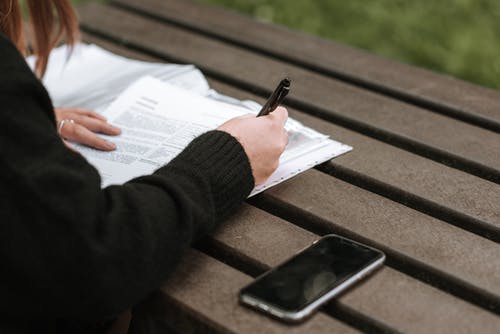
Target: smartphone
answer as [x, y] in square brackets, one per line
[297, 287]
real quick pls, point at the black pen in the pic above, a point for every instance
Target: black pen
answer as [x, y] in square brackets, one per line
[276, 97]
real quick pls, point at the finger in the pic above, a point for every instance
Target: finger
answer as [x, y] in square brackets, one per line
[279, 115]
[97, 125]
[80, 134]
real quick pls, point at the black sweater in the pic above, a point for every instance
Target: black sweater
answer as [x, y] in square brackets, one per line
[71, 251]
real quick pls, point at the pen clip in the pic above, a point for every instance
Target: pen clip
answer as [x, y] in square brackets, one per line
[283, 92]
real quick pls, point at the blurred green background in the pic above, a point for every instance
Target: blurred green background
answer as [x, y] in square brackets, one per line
[458, 37]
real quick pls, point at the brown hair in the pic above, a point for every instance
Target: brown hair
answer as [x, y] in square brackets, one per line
[51, 20]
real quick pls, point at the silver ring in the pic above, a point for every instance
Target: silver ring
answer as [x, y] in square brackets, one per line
[61, 124]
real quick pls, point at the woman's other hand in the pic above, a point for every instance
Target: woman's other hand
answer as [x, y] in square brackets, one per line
[263, 139]
[80, 126]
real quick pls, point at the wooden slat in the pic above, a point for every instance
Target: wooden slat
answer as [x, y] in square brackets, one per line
[434, 135]
[389, 297]
[449, 188]
[442, 93]
[447, 249]
[208, 290]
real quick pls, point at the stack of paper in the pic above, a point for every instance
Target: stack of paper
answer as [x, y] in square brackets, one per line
[161, 113]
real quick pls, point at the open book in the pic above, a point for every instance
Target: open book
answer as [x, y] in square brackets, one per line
[161, 113]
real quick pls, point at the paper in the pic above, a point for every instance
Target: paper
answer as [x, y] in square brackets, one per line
[93, 77]
[161, 113]
[158, 120]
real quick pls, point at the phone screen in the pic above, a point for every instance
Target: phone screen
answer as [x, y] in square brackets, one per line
[312, 273]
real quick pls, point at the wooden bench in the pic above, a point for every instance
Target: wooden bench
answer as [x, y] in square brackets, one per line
[422, 182]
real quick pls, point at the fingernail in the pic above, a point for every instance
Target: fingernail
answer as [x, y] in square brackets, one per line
[110, 145]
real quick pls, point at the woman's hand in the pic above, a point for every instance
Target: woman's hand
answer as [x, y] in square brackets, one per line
[263, 139]
[80, 126]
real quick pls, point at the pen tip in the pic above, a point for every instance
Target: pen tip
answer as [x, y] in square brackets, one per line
[286, 82]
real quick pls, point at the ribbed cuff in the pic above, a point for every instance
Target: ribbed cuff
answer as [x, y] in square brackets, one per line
[221, 158]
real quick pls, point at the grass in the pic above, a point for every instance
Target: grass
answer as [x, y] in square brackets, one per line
[458, 37]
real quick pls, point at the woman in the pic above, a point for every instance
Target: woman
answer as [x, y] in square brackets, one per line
[72, 253]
